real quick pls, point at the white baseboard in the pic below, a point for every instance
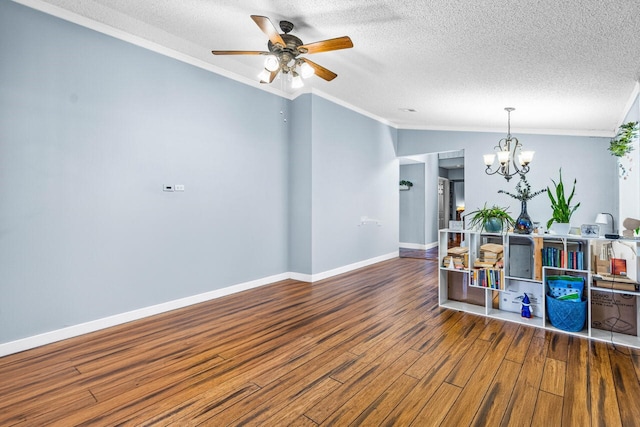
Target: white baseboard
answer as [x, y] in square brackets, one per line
[354, 266]
[418, 245]
[107, 322]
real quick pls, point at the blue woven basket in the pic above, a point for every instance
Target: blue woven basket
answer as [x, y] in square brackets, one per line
[567, 315]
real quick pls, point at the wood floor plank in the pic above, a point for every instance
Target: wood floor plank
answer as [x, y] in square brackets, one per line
[456, 346]
[520, 345]
[369, 347]
[558, 346]
[295, 408]
[462, 333]
[468, 365]
[380, 408]
[553, 376]
[465, 407]
[604, 401]
[519, 411]
[548, 411]
[625, 386]
[352, 407]
[495, 401]
[437, 408]
[576, 409]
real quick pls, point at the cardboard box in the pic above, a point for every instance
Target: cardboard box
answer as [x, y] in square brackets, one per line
[614, 312]
[600, 266]
[459, 289]
[511, 298]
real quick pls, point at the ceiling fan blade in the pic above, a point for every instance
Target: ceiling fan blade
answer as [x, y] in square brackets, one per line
[269, 29]
[239, 52]
[327, 45]
[271, 76]
[321, 72]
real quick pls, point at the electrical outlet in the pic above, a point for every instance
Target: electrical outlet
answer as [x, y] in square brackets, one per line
[179, 187]
[167, 187]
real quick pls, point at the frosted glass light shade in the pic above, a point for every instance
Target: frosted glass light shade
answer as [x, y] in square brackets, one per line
[271, 63]
[526, 157]
[296, 82]
[264, 75]
[306, 70]
[503, 157]
[488, 159]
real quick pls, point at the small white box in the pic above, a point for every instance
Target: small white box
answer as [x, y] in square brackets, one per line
[511, 298]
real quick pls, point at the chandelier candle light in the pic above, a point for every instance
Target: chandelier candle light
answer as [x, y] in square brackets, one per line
[510, 155]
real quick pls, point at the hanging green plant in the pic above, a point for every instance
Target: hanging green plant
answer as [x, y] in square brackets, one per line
[622, 143]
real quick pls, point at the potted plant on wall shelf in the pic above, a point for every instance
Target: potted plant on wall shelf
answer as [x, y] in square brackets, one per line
[405, 185]
[621, 144]
[493, 219]
[561, 206]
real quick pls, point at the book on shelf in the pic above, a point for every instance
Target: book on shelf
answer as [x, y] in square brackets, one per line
[615, 283]
[618, 267]
[490, 256]
[556, 257]
[458, 250]
[492, 247]
[459, 263]
[488, 278]
[611, 281]
[483, 264]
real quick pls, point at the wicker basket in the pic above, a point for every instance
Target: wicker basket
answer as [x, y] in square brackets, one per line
[567, 315]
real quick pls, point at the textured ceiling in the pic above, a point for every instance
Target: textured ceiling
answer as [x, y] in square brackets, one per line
[568, 67]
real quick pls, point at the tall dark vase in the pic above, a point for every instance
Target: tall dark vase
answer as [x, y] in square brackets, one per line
[523, 224]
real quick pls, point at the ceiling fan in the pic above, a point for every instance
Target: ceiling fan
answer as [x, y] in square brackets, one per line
[285, 50]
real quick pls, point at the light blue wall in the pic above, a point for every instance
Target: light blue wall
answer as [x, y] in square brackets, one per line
[412, 205]
[355, 173]
[584, 158]
[300, 166]
[92, 127]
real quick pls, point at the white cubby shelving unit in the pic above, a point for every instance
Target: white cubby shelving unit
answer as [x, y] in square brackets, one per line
[525, 264]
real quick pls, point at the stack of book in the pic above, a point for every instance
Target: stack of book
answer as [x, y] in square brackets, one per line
[457, 258]
[488, 272]
[490, 256]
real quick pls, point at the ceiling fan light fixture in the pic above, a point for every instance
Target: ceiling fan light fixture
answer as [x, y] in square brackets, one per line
[264, 75]
[306, 70]
[271, 63]
[296, 81]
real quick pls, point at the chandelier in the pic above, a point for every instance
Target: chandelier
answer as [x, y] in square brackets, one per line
[512, 159]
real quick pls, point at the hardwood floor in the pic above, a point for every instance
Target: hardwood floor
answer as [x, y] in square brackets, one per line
[370, 347]
[430, 254]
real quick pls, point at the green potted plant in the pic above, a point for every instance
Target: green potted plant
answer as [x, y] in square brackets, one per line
[621, 144]
[405, 185]
[523, 224]
[561, 206]
[492, 219]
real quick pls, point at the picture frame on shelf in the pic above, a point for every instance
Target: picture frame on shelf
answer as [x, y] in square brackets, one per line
[590, 230]
[456, 225]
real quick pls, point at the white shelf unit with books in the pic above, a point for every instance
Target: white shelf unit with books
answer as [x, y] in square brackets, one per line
[523, 264]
